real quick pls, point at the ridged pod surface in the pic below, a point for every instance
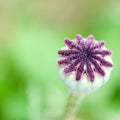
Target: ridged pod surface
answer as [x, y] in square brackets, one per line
[84, 64]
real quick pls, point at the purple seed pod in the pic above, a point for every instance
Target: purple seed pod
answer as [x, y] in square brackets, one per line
[84, 64]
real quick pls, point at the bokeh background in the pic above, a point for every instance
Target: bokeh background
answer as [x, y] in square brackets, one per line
[31, 32]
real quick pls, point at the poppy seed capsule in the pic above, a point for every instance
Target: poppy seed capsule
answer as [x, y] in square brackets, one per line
[84, 64]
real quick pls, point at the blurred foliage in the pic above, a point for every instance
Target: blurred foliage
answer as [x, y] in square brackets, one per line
[31, 32]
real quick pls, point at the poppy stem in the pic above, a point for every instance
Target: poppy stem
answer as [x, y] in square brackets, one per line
[72, 106]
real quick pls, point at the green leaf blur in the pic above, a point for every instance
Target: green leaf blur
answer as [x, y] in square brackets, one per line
[31, 33]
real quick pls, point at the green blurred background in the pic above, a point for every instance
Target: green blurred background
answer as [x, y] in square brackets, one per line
[31, 33]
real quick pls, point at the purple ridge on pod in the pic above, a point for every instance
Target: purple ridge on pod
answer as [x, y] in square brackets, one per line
[70, 43]
[64, 61]
[90, 39]
[80, 71]
[97, 67]
[67, 52]
[99, 44]
[103, 52]
[84, 56]
[79, 39]
[103, 62]
[71, 67]
[90, 72]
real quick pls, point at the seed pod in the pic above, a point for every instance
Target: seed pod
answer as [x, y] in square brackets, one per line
[84, 64]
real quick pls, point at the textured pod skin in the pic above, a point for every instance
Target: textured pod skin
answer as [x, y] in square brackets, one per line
[84, 64]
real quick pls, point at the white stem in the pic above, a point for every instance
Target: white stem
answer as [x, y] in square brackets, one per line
[72, 106]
